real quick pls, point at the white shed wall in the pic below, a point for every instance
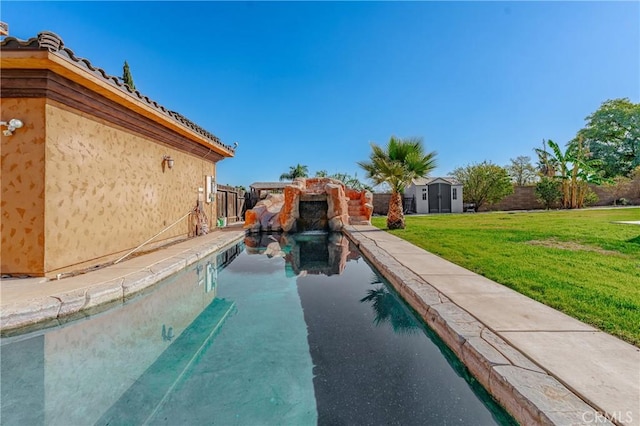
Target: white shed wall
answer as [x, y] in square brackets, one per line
[457, 205]
[422, 205]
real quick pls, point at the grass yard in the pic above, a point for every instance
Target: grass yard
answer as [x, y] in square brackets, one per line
[576, 261]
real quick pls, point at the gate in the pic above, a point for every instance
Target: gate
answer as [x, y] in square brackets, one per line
[230, 203]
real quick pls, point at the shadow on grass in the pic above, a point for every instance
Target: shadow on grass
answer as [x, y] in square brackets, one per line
[635, 240]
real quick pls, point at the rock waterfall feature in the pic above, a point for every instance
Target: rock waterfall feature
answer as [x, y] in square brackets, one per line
[312, 204]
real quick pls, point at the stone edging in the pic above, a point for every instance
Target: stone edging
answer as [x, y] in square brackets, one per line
[526, 391]
[47, 311]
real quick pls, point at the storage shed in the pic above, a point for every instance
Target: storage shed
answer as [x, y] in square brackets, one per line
[436, 195]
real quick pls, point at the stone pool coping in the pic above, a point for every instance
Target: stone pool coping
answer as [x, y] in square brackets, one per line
[543, 366]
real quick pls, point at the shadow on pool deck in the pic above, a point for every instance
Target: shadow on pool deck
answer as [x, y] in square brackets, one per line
[541, 365]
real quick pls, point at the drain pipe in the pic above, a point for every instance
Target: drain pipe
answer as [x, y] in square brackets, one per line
[135, 249]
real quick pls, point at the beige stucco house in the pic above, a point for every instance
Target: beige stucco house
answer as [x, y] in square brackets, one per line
[97, 168]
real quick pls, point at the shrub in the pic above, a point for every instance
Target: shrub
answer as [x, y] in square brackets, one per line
[590, 198]
[484, 183]
[548, 192]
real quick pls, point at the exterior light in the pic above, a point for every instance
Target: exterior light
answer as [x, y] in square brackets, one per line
[12, 125]
[168, 161]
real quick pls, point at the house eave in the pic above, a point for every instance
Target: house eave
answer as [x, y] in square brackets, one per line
[74, 70]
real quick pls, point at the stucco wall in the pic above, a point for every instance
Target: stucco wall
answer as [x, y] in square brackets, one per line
[22, 202]
[524, 197]
[381, 203]
[79, 191]
[106, 191]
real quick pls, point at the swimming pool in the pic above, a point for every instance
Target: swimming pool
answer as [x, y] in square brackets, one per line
[293, 330]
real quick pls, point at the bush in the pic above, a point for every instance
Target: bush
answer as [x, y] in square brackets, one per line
[548, 192]
[590, 198]
[484, 183]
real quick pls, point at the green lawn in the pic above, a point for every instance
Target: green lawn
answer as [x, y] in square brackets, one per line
[576, 261]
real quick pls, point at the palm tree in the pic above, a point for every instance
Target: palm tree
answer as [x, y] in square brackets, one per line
[297, 171]
[389, 309]
[402, 161]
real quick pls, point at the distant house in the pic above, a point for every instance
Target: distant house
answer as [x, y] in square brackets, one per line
[435, 195]
[96, 168]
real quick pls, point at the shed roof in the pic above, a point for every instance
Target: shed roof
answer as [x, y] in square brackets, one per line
[430, 180]
[269, 185]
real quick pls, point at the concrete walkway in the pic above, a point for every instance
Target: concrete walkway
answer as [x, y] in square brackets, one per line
[542, 365]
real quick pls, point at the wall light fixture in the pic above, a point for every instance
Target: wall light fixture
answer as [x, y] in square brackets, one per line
[12, 125]
[168, 161]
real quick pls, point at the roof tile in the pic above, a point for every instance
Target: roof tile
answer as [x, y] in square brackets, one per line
[53, 43]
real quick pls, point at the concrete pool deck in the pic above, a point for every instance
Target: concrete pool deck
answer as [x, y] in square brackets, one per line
[541, 365]
[37, 302]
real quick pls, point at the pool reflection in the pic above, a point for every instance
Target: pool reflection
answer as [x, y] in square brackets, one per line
[87, 371]
[327, 342]
[389, 309]
[327, 253]
[305, 253]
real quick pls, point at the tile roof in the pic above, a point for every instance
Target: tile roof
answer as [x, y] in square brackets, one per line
[54, 44]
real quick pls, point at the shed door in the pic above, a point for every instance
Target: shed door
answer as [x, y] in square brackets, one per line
[439, 198]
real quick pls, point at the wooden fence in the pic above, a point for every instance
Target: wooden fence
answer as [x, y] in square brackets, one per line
[230, 203]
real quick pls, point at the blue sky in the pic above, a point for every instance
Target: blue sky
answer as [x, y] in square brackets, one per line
[315, 82]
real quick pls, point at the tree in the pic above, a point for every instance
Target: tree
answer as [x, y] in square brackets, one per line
[635, 182]
[521, 171]
[297, 171]
[126, 76]
[348, 180]
[546, 164]
[619, 185]
[351, 181]
[484, 183]
[401, 161]
[548, 191]
[612, 135]
[574, 169]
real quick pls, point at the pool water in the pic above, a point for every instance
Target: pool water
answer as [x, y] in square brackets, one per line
[286, 330]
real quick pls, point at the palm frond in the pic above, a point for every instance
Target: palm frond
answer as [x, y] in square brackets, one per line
[398, 163]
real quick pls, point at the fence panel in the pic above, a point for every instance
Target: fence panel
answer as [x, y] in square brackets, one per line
[230, 203]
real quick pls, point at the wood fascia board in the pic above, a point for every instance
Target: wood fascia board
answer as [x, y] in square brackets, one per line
[49, 61]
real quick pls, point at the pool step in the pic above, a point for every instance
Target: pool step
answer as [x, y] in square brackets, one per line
[357, 212]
